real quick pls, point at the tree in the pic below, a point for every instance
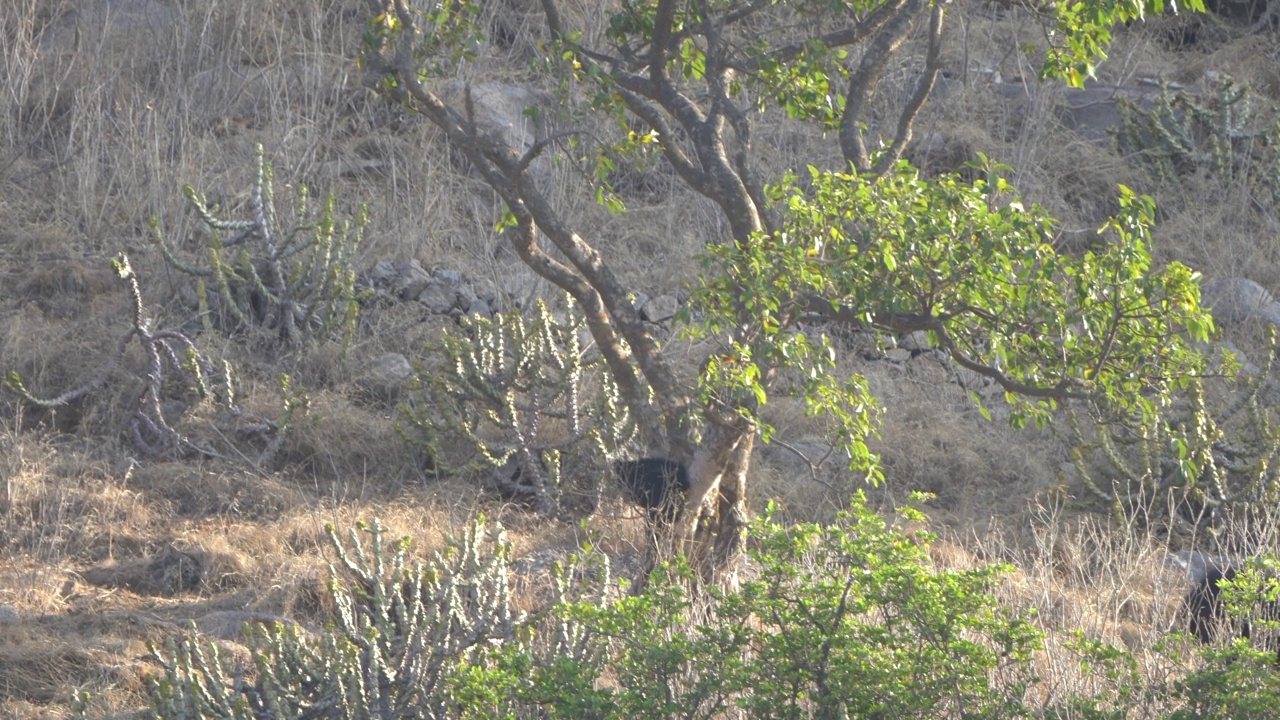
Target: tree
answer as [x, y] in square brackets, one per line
[868, 245]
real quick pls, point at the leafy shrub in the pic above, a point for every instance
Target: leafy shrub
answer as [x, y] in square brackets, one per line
[846, 620]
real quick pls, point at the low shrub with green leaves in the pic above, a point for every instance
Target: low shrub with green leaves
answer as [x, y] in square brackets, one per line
[844, 620]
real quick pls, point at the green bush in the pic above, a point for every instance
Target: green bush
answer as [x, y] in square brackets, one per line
[845, 620]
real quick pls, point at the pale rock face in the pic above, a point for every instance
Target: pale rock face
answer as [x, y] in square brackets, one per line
[1237, 300]
[660, 309]
[386, 375]
[509, 113]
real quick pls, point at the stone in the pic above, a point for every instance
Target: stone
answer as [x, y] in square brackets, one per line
[449, 277]
[898, 355]
[438, 298]
[8, 614]
[411, 280]
[385, 375]
[917, 341]
[383, 273]
[466, 296]
[1236, 300]
[660, 309]
[508, 113]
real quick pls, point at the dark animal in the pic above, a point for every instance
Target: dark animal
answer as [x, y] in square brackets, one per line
[1204, 603]
[656, 484]
[1207, 614]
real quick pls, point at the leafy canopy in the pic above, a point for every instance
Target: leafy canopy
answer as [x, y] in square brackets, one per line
[869, 245]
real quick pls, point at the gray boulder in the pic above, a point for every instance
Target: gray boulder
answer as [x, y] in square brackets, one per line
[1238, 300]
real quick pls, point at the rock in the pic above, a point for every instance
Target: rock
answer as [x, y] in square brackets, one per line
[641, 299]
[449, 277]
[8, 614]
[466, 296]
[1237, 300]
[385, 375]
[866, 344]
[411, 280]
[1092, 110]
[917, 341]
[438, 298]
[898, 355]
[479, 307]
[507, 112]
[660, 309]
[382, 274]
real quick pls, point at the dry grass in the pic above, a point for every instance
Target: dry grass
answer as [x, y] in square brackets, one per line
[101, 129]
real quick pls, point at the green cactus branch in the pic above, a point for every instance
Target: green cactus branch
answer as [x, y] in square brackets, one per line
[289, 284]
[167, 352]
[517, 389]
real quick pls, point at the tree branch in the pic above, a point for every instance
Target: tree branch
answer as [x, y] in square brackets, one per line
[907, 119]
[663, 21]
[863, 83]
[912, 322]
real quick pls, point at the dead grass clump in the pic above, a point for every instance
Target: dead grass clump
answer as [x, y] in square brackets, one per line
[1077, 573]
[352, 451]
[195, 492]
[62, 519]
[41, 668]
[307, 599]
[181, 568]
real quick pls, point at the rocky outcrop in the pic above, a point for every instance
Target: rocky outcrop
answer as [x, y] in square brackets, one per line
[441, 292]
[1238, 300]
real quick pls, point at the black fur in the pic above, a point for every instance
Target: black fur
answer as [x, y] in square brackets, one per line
[1204, 603]
[1207, 614]
[656, 484]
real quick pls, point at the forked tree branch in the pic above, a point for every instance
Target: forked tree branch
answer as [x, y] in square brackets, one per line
[924, 88]
[864, 82]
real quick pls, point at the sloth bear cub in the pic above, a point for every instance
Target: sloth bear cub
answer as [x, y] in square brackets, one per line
[656, 484]
[1204, 605]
